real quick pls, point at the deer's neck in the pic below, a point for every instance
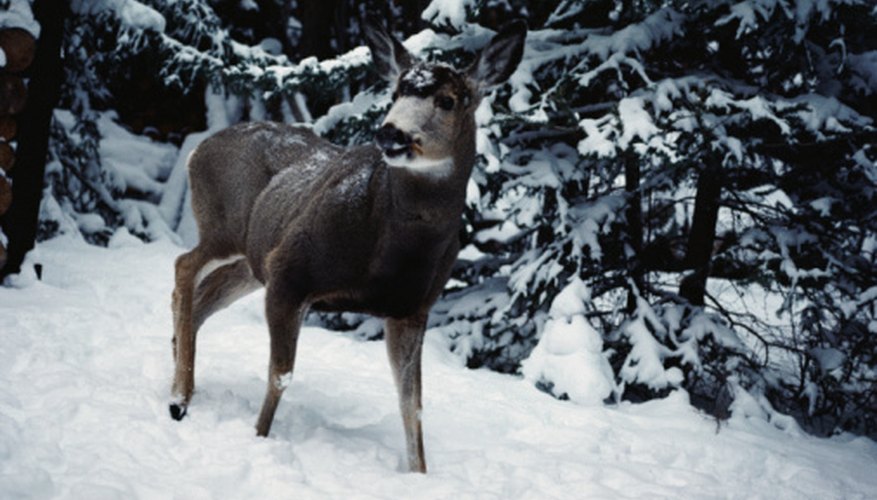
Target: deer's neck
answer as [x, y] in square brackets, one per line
[436, 194]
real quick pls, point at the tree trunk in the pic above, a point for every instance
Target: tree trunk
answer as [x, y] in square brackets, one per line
[634, 216]
[20, 222]
[703, 234]
[5, 195]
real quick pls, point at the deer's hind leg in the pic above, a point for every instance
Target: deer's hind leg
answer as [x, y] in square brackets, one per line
[188, 270]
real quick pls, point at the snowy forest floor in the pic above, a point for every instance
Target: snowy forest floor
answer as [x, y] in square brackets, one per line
[85, 367]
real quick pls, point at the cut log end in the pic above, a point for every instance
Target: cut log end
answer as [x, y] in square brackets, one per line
[19, 47]
[5, 195]
[7, 157]
[13, 94]
[8, 128]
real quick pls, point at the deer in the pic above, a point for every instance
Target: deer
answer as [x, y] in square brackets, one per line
[371, 229]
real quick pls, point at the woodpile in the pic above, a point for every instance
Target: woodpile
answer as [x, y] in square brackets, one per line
[17, 48]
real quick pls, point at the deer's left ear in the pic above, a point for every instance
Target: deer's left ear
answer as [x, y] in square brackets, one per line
[496, 62]
[391, 58]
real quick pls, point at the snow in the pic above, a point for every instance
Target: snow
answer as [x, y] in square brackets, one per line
[448, 12]
[863, 69]
[137, 15]
[645, 362]
[131, 13]
[598, 137]
[85, 367]
[745, 14]
[661, 26]
[90, 223]
[418, 43]
[18, 14]
[361, 103]
[175, 206]
[822, 113]
[828, 358]
[420, 78]
[568, 361]
[758, 107]
[635, 121]
[272, 46]
[135, 160]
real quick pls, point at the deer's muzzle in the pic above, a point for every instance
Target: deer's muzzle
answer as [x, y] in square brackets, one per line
[393, 141]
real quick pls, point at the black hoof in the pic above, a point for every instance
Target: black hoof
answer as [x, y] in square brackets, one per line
[177, 411]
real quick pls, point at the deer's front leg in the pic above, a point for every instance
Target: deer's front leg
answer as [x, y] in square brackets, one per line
[186, 271]
[404, 345]
[284, 312]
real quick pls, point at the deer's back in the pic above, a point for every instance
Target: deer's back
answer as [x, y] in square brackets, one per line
[229, 171]
[327, 209]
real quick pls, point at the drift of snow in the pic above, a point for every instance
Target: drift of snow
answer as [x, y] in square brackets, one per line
[85, 367]
[568, 361]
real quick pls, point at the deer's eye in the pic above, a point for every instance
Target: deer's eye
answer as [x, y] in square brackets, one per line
[445, 102]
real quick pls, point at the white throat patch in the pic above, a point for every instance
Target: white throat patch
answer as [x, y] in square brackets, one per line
[437, 168]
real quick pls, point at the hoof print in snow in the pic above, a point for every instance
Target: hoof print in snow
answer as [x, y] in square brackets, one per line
[177, 411]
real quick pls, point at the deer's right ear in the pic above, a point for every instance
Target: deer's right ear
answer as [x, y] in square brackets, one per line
[390, 56]
[496, 62]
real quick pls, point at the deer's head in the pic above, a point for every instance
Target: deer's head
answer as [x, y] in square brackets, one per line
[433, 103]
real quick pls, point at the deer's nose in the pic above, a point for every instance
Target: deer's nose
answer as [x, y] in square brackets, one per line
[392, 140]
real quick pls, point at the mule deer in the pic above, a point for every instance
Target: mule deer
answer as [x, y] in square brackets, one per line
[365, 229]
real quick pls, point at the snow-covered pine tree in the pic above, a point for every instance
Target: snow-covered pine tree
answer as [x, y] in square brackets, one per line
[705, 170]
[708, 170]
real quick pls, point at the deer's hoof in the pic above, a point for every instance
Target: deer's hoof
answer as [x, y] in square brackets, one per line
[178, 411]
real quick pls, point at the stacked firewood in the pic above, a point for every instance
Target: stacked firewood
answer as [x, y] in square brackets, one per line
[17, 48]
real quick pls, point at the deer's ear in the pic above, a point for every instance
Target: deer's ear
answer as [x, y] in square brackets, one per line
[390, 56]
[499, 59]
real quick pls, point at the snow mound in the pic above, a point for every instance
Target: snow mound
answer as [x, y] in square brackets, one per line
[568, 361]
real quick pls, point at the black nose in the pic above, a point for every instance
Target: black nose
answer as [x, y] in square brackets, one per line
[391, 139]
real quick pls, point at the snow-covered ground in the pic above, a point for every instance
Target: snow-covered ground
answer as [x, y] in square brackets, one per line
[85, 366]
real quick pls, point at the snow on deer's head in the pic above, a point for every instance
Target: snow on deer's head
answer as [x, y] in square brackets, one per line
[433, 102]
